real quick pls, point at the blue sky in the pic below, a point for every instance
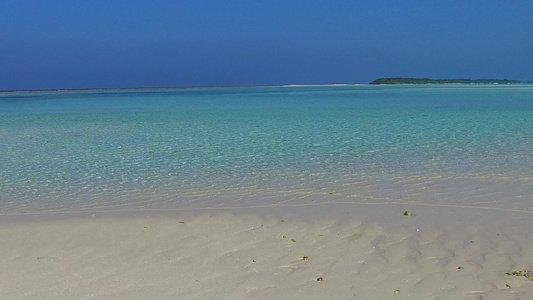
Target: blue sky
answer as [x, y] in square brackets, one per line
[73, 44]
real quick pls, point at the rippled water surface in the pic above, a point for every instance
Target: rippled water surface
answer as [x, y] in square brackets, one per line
[453, 145]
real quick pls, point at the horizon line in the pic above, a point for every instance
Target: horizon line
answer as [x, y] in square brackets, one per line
[117, 89]
[81, 90]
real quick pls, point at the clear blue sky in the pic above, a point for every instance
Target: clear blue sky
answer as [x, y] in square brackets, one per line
[66, 44]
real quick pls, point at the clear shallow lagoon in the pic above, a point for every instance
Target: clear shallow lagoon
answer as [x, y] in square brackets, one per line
[450, 145]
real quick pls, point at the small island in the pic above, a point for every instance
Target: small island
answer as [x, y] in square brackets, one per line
[400, 80]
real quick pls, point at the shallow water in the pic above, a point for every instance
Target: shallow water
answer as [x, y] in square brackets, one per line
[442, 145]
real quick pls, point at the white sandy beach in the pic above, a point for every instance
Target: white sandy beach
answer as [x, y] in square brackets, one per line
[359, 252]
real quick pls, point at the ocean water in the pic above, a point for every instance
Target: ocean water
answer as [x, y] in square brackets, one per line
[437, 145]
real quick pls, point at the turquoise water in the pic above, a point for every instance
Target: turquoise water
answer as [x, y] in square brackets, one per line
[455, 145]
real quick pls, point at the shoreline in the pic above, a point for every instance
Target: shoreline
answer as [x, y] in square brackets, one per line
[349, 200]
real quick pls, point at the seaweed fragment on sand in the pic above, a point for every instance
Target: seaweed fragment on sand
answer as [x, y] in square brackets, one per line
[522, 273]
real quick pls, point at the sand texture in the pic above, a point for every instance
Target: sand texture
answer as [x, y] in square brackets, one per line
[218, 255]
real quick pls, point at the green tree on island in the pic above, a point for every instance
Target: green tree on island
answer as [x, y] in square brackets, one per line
[400, 80]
